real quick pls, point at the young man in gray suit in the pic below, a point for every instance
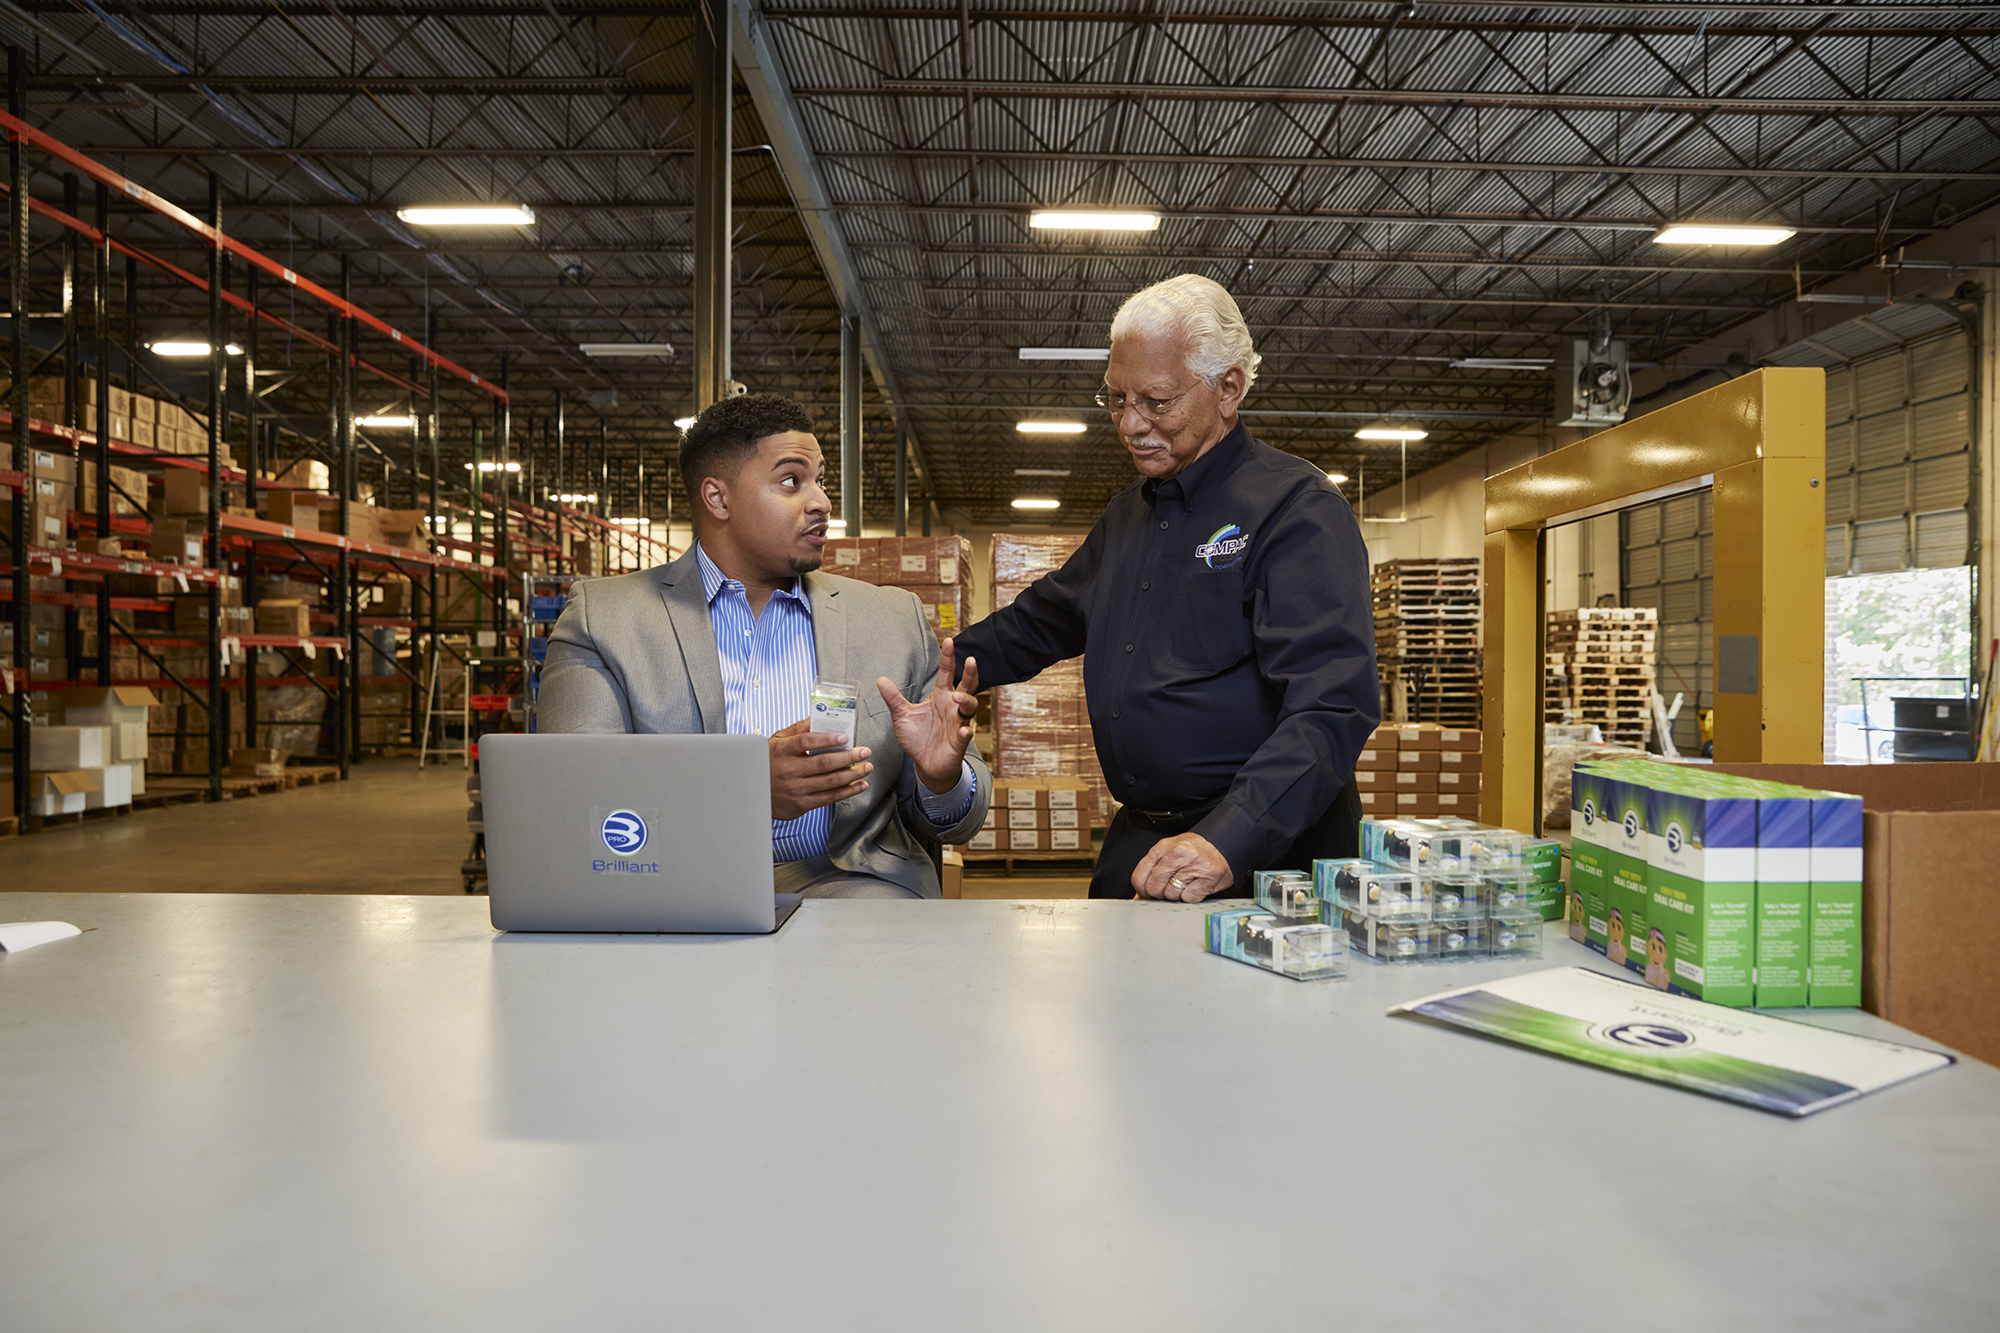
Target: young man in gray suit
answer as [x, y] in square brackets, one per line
[730, 638]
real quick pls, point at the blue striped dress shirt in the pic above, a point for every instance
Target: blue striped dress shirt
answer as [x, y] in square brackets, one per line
[769, 663]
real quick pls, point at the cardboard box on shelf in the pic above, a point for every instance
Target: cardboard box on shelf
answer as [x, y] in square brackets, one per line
[183, 491]
[305, 474]
[145, 434]
[59, 793]
[289, 616]
[178, 541]
[987, 840]
[951, 876]
[258, 762]
[301, 509]
[111, 785]
[111, 705]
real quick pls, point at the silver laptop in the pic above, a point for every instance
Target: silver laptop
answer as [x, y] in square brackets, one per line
[630, 833]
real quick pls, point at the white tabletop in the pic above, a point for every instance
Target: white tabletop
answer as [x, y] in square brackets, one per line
[243, 1112]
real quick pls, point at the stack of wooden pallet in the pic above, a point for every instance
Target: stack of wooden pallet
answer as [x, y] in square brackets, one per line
[1599, 670]
[1427, 640]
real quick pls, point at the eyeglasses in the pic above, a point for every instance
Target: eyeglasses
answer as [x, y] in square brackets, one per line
[1150, 408]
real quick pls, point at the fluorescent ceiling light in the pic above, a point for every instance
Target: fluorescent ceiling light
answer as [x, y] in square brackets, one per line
[387, 423]
[1337, 478]
[1049, 427]
[495, 467]
[1503, 363]
[626, 349]
[682, 423]
[174, 347]
[1390, 433]
[632, 522]
[1041, 472]
[575, 498]
[1065, 353]
[1092, 220]
[836, 523]
[1026, 503]
[468, 215]
[1706, 233]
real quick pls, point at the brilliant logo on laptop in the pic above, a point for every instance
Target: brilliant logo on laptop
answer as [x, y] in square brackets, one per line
[624, 833]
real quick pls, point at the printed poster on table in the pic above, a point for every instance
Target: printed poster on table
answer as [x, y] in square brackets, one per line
[1757, 1059]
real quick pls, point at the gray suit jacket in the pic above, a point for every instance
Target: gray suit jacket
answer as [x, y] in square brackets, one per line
[636, 653]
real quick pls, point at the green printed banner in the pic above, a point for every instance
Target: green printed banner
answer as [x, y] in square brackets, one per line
[1770, 1063]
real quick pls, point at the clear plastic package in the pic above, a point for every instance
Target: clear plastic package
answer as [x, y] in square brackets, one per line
[1378, 890]
[1304, 951]
[1514, 935]
[1391, 941]
[1514, 889]
[1288, 894]
[1461, 939]
[1446, 846]
[1458, 897]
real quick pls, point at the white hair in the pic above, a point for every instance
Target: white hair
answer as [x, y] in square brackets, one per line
[1203, 316]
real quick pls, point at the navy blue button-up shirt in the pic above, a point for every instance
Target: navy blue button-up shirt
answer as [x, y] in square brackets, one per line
[1228, 642]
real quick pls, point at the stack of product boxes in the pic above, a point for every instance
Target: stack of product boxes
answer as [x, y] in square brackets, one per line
[1036, 815]
[1423, 890]
[1419, 770]
[1732, 890]
[96, 758]
[937, 569]
[1041, 727]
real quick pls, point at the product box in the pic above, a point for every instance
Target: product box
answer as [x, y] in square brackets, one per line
[1701, 927]
[1287, 893]
[183, 491]
[1026, 840]
[1304, 952]
[1060, 818]
[1628, 866]
[290, 617]
[1390, 941]
[1068, 840]
[986, 840]
[178, 541]
[1029, 818]
[1589, 861]
[1834, 904]
[1784, 884]
[1515, 935]
[1544, 857]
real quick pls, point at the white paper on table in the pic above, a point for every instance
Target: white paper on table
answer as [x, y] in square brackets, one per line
[18, 935]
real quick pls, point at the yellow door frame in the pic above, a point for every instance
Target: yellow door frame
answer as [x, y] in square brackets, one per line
[1761, 440]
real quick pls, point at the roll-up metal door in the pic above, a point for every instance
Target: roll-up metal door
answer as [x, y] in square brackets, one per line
[1668, 562]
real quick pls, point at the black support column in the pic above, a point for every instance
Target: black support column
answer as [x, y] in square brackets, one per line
[218, 369]
[100, 341]
[850, 424]
[18, 297]
[714, 106]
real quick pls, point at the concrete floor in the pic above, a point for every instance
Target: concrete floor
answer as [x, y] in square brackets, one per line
[391, 828]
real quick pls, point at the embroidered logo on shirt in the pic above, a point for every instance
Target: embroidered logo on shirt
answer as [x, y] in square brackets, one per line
[1225, 549]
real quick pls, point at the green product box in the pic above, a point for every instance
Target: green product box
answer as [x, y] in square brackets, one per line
[1701, 935]
[1834, 910]
[1784, 882]
[1587, 873]
[1625, 886]
[1545, 859]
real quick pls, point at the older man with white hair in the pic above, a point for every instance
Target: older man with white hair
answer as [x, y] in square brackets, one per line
[1222, 609]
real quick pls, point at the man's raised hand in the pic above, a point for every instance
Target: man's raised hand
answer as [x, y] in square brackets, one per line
[934, 733]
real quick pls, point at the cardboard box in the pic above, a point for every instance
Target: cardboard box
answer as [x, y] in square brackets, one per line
[1417, 805]
[912, 561]
[111, 786]
[183, 491]
[1410, 781]
[1418, 761]
[258, 763]
[987, 840]
[1068, 840]
[1413, 735]
[1027, 840]
[289, 616]
[951, 876]
[1029, 818]
[92, 706]
[68, 747]
[1930, 940]
[1377, 760]
[1459, 739]
[1378, 804]
[851, 557]
[302, 509]
[178, 541]
[61, 793]
[1464, 805]
[1375, 779]
[1459, 780]
[1467, 761]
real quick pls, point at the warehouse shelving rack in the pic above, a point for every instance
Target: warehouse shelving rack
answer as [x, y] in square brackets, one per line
[333, 556]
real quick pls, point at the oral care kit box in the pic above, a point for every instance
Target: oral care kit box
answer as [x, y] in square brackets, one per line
[1834, 904]
[1588, 875]
[1626, 869]
[1701, 924]
[1784, 883]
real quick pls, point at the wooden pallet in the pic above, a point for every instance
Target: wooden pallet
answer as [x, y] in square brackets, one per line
[157, 798]
[37, 823]
[9, 826]
[1086, 862]
[311, 775]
